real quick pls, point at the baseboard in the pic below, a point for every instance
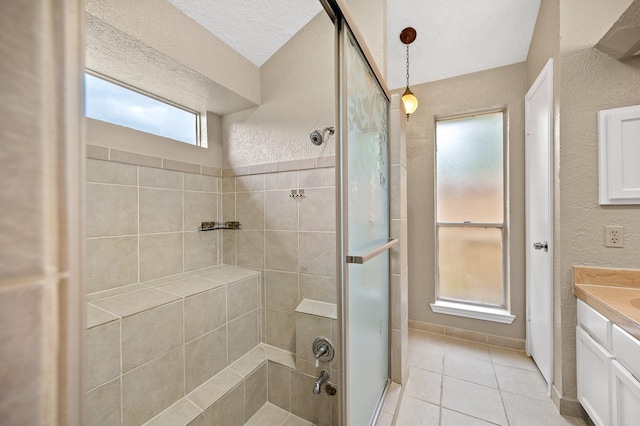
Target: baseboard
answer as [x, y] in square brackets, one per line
[474, 336]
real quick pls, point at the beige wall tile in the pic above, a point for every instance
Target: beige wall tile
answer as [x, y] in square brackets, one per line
[242, 297]
[394, 294]
[111, 210]
[250, 362]
[184, 412]
[229, 207]
[204, 312]
[279, 391]
[160, 210]
[228, 184]
[318, 253]
[250, 209]
[308, 327]
[199, 207]
[200, 249]
[313, 408]
[250, 248]
[282, 180]
[160, 255]
[110, 172]
[318, 210]
[263, 168]
[151, 388]
[318, 178]
[131, 303]
[280, 329]
[159, 178]
[21, 338]
[281, 250]
[315, 287]
[228, 411]
[103, 354]
[243, 335]
[215, 388]
[250, 183]
[200, 183]
[229, 247]
[180, 166]
[394, 192]
[255, 391]
[111, 262]
[328, 161]
[149, 334]
[132, 158]
[305, 163]
[205, 357]
[97, 152]
[103, 404]
[280, 211]
[281, 290]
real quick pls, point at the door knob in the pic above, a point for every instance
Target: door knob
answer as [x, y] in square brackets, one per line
[541, 246]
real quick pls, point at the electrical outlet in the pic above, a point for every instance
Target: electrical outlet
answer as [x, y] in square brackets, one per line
[614, 236]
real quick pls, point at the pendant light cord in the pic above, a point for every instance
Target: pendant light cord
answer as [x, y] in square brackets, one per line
[407, 66]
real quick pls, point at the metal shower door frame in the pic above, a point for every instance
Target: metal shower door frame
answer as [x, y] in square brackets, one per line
[344, 28]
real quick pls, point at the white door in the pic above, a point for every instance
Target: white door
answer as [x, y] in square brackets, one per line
[539, 218]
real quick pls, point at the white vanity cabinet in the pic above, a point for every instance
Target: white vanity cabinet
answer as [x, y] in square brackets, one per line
[593, 366]
[608, 369]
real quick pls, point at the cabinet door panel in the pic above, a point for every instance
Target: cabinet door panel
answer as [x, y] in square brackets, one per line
[593, 373]
[625, 396]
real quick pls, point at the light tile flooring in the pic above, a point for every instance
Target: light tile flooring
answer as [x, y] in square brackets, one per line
[455, 382]
[271, 415]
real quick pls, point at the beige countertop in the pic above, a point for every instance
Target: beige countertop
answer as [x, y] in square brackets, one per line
[615, 293]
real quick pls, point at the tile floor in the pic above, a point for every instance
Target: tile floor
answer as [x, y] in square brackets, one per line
[272, 415]
[455, 382]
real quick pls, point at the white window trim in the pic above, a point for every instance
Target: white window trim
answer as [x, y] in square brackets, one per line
[467, 310]
[500, 314]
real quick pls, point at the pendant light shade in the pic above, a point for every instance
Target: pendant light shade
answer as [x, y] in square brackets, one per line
[410, 102]
[408, 36]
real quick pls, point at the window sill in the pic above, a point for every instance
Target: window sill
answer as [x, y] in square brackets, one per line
[500, 315]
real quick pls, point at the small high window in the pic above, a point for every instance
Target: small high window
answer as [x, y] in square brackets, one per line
[470, 210]
[114, 103]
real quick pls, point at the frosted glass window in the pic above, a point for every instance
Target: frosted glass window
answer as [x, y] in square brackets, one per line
[470, 264]
[470, 169]
[113, 103]
[470, 209]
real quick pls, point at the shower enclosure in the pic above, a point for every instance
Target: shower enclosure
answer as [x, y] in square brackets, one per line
[192, 320]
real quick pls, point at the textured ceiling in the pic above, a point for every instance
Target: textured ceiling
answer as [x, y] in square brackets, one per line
[254, 28]
[455, 37]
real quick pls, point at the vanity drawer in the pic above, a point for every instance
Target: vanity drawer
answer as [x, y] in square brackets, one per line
[598, 326]
[627, 350]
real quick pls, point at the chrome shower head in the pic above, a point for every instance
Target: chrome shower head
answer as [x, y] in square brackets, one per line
[317, 137]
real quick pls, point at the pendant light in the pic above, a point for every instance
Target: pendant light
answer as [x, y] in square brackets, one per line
[408, 36]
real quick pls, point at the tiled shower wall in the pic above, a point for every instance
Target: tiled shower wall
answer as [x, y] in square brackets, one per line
[142, 223]
[291, 240]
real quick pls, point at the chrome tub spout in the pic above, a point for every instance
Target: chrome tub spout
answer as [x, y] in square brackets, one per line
[317, 385]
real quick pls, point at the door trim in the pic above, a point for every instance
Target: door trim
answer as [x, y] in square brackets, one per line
[545, 77]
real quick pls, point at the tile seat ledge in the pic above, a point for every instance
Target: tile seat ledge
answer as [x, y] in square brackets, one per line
[194, 404]
[109, 305]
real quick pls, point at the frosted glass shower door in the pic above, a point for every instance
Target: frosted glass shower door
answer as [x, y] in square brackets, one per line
[365, 234]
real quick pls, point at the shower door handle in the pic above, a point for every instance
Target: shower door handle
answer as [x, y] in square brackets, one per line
[373, 253]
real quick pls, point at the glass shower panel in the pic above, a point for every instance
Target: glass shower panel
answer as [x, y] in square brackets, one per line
[368, 229]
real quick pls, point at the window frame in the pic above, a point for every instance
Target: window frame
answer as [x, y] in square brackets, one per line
[466, 308]
[199, 142]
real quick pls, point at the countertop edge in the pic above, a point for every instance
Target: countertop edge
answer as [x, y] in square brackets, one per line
[581, 291]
